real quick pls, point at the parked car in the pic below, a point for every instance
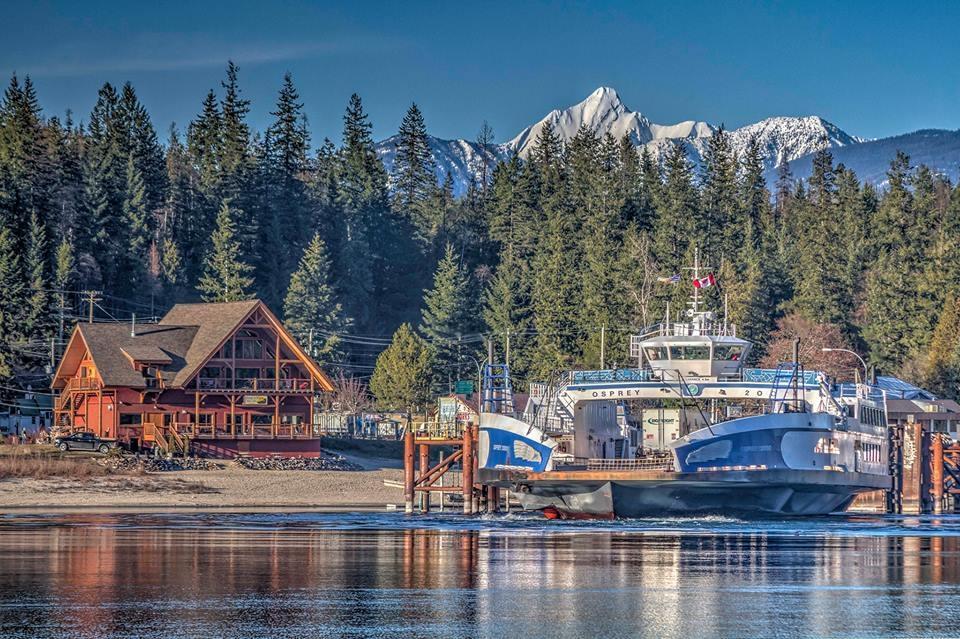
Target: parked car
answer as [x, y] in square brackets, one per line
[84, 441]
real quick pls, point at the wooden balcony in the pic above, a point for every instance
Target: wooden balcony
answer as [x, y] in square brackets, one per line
[83, 383]
[241, 431]
[259, 385]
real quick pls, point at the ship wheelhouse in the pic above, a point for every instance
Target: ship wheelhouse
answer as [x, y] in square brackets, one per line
[699, 349]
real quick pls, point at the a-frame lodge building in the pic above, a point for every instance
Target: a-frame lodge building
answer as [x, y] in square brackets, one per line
[221, 379]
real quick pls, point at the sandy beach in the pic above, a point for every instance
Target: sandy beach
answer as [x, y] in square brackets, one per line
[232, 488]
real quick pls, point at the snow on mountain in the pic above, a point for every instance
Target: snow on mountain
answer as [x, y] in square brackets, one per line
[603, 112]
[462, 159]
[782, 139]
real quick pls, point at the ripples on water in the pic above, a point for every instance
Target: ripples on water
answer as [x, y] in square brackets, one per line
[388, 575]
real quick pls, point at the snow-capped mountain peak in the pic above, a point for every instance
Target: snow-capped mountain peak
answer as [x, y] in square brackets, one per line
[782, 139]
[604, 112]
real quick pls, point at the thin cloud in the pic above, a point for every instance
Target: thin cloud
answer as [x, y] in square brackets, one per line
[161, 53]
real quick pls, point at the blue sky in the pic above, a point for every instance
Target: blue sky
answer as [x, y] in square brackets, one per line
[872, 68]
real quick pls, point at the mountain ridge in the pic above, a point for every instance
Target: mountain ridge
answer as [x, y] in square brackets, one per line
[782, 139]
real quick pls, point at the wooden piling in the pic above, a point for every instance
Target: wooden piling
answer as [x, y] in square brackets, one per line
[468, 470]
[926, 474]
[424, 469]
[408, 470]
[936, 460]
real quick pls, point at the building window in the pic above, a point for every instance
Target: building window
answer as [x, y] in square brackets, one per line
[690, 352]
[129, 419]
[250, 349]
[727, 353]
[226, 352]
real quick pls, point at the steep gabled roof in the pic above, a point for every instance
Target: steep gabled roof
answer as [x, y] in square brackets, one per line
[214, 323]
[107, 344]
[182, 342]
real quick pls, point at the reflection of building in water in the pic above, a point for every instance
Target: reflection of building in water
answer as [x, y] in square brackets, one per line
[563, 581]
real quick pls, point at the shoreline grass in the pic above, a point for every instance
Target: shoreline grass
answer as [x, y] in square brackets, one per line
[41, 462]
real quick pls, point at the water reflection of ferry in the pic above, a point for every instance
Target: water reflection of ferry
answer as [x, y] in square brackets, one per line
[780, 441]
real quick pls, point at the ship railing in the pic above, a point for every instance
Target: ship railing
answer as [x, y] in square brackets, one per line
[643, 463]
[610, 375]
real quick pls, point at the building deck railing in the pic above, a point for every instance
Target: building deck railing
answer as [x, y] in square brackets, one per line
[240, 431]
[258, 384]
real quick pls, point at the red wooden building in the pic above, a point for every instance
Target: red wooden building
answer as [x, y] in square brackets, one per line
[220, 379]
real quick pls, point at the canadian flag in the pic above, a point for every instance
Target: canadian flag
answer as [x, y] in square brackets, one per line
[704, 282]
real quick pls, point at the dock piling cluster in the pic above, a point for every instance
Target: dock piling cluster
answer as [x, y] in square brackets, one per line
[456, 449]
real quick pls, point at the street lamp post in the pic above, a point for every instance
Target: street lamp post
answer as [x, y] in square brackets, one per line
[866, 374]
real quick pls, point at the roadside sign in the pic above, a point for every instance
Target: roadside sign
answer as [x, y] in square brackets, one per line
[463, 387]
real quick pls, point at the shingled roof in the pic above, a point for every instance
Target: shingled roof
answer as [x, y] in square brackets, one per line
[182, 342]
[108, 342]
[214, 324]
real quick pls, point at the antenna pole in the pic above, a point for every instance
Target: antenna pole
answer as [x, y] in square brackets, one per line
[726, 300]
[603, 337]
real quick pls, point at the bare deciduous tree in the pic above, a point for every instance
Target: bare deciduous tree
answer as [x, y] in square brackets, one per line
[813, 339]
[352, 394]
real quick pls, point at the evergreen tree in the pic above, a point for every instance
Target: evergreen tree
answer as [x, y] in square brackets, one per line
[11, 290]
[414, 178]
[310, 310]
[64, 271]
[136, 229]
[401, 376]
[234, 139]
[36, 311]
[941, 368]
[284, 209]
[506, 310]
[447, 318]
[225, 277]
[822, 292]
[717, 224]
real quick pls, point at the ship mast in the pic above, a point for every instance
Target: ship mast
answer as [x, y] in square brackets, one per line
[695, 303]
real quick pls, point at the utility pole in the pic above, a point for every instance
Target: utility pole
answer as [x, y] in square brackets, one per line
[63, 304]
[92, 298]
[507, 350]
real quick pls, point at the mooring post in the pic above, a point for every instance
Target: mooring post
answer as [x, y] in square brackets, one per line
[895, 447]
[936, 459]
[424, 469]
[408, 476]
[467, 462]
[494, 499]
[484, 499]
[926, 476]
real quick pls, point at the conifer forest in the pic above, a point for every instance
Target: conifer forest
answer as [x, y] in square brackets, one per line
[393, 280]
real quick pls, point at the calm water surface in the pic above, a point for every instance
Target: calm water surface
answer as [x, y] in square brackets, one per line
[387, 575]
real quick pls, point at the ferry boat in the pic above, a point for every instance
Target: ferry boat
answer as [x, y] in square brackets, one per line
[738, 440]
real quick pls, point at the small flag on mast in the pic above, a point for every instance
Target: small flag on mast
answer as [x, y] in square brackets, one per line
[704, 282]
[673, 279]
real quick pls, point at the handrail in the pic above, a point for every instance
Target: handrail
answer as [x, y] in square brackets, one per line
[300, 384]
[84, 383]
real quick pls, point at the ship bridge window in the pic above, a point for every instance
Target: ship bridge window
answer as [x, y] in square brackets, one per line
[655, 353]
[690, 352]
[727, 353]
